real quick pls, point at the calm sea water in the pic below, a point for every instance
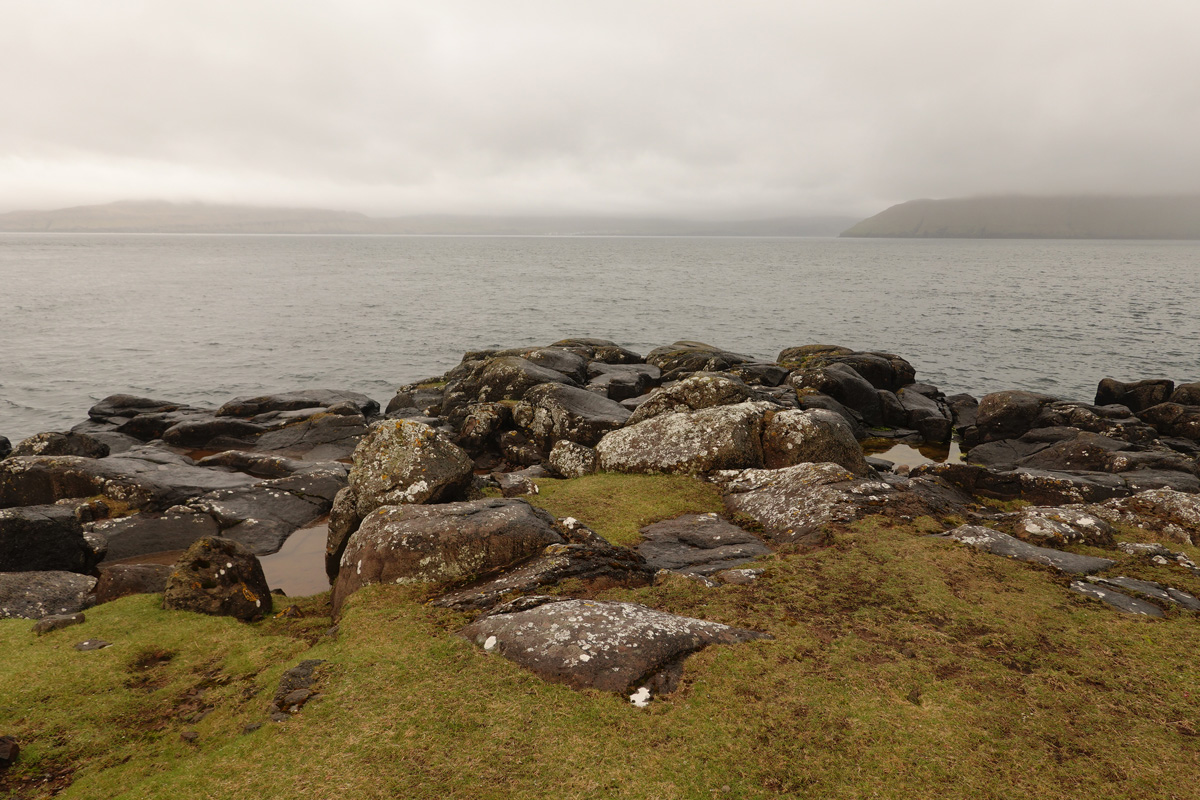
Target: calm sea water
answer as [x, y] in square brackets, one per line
[200, 319]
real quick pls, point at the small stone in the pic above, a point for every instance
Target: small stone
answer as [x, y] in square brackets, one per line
[279, 716]
[92, 644]
[9, 752]
[251, 727]
[56, 621]
[295, 699]
[189, 736]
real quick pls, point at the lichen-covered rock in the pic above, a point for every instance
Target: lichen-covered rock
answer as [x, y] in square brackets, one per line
[1173, 419]
[698, 544]
[614, 647]
[843, 384]
[724, 437]
[601, 350]
[34, 595]
[884, 371]
[438, 543]
[553, 412]
[480, 426]
[1171, 513]
[407, 462]
[795, 504]
[493, 379]
[219, 577]
[1185, 394]
[702, 390]
[687, 356]
[1002, 544]
[43, 538]
[572, 460]
[1062, 525]
[796, 437]
[1118, 600]
[53, 443]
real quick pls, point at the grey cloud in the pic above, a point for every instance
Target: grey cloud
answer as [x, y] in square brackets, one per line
[700, 108]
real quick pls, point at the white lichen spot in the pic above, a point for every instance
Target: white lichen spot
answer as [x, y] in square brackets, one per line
[228, 565]
[258, 603]
[490, 643]
[640, 698]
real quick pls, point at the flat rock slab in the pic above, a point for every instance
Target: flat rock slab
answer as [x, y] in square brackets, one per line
[1158, 591]
[614, 647]
[56, 622]
[34, 595]
[1002, 544]
[1119, 601]
[700, 544]
[142, 534]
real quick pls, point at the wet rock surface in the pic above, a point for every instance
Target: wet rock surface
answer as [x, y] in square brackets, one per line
[219, 577]
[43, 538]
[700, 544]
[615, 647]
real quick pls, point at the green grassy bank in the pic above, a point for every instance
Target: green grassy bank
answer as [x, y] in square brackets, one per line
[901, 666]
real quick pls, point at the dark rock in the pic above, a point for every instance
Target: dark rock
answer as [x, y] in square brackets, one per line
[43, 538]
[61, 444]
[480, 426]
[553, 412]
[200, 432]
[702, 390]
[514, 485]
[344, 520]
[1185, 394]
[591, 562]
[1007, 415]
[296, 687]
[1113, 421]
[796, 504]
[290, 401]
[843, 384]
[1134, 396]
[219, 577]
[260, 465]
[795, 437]
[572, 460]
[931, 417]
[702, 544]
[885, 371]
[56, 622]
[1119, 601]
[759, 373]
[686, 356]
[320, 437]
[623, 381]
[809, 400]
[10, 751]
[891, 409]
[34, 595]
[798, 357]
[517, 449]
[445, 542]
[615, 647]
[964, 409]
[1002, 544]
[92, 644]
[724, 437]
[119, 407]
[1071, 450]
[1158, 591]
[600, 350]
[1041, 487]
[5, 447]
[1172, 419]
[495, 379]
[121, 580]
[423, 398]
[146, 427]
[145, 533]
[573, 365]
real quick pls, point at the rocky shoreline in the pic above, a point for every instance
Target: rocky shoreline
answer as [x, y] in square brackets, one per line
[428, 490]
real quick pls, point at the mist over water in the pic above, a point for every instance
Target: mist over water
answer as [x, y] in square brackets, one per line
[200, 319]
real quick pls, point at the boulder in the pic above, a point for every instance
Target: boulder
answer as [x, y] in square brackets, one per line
[1062, 525]
[928, 415]
[1002, 544]
[1117, 600]
[61, 444]
[698, 544]
[686, 356]
[493, 379]
[1185, 394]
[302, 398]
[1135, 396]
[796, 504]
[885, 371]
[591, 563]
[622, 381]
[260, 465]
[146, 533]
[43, 538]
[407, 462]
[117, 408]
[615, 647]
[56, 622]
[219, 577]
[441, 543]
[121, 580]
[5, 447]
[843, 384]
[798, 357]
[702, 390]
[553, 412]
[323, 436]
[724, 437]
[572, 460]
[424, 398]
[34, 595]
[202, 431]
[1172, 419]
[808, 400]
[796, 437]
[481, 425]
[964, 408]
[1008, 414]
[601, 350]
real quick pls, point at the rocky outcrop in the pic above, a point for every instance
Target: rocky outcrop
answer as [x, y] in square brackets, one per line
[1173, 419]
[685, 357]
[795, 437]
[622, 381]
[219, 577]
[43, 538]
[1173, 514]
[724, 437]
[698, 544]
[146, 533]
[441, 543]
[698, 391]
[34, 595]
[1002, 544]
[61, 444]
[496, 378]
[1061, 525]
[552, 412]
[616, 647]
[571, 460]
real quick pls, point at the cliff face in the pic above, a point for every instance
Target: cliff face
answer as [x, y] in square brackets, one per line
[1038, 218]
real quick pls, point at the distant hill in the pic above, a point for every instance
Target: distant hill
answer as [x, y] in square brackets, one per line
[162, 217]
[1038, 218]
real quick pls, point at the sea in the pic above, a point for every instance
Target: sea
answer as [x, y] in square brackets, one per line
[200, 319]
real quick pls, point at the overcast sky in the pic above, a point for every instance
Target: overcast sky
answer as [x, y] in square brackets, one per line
[689, 108]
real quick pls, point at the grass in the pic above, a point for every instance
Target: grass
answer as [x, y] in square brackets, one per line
[902, 666]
